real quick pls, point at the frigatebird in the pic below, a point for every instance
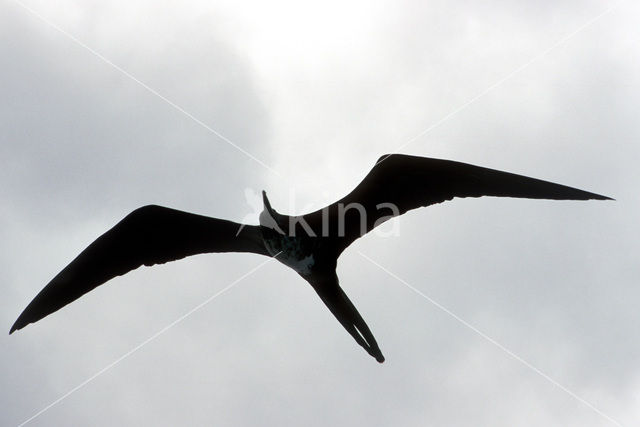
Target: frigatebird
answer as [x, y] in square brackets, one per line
[310, 244]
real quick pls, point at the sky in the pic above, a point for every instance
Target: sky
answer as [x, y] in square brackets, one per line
[525, 311]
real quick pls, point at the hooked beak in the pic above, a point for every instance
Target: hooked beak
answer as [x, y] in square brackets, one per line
[267, 205]
[269, 217]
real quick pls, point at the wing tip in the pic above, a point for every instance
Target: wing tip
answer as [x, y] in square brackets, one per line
[22, 321]
[601, 197]
[15, 327]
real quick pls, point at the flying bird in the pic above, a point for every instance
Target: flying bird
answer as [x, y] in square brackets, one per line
[310, 244]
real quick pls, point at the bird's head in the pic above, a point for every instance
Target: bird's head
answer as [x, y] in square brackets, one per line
[269, 218]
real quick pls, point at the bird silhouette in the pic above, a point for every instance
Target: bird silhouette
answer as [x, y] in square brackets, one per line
[310, 244]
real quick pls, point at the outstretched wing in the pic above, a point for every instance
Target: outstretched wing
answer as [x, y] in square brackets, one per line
[328, 289]
[147, 236]
[399, 183]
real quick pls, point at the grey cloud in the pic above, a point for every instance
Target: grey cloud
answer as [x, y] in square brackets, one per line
[82, 145]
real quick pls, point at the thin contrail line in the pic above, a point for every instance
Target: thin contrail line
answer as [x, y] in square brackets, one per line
[519, 69]
[492, 341]
[144, 85]
[145, 342]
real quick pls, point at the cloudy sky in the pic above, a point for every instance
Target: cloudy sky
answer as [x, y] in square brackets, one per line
[195, 105]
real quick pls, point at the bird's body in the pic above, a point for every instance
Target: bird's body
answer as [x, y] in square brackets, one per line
[309, 244]
[293, 251]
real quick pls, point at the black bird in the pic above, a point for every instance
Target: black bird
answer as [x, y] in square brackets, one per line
[310, 244]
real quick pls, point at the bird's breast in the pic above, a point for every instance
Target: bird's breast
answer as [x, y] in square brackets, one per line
[294, 252]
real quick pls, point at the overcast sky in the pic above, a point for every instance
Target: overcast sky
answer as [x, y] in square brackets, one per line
[315, 94]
